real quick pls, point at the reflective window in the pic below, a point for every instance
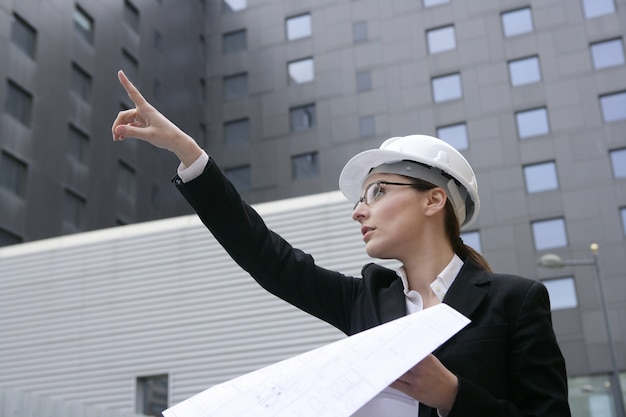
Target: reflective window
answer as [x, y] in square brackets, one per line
[19, 103]
[618, 161]
[24, 36]
[81, 82]
[590, 395]
[562, 292]
[74, 210]
[622, 213]
[78, 144]
[302, 117]
[524, 71]
[455, 135]
[237, 131]
[532, 123]
[83, 24]
[447, 87]
[13, 175]
[130, 65]
[131, 15]
[607, 53]
[613, 107]
[126, 181]
[441, 39]
[234, 41]
[299, 27]
[231, 6]
[359, 31]
[472, 239]
[595, 8]
[157, 40]
[549, 234]
[241, 177]
[301, 71]
[152, 395]
[430, 3]
[305, 166]
[517, 22]
[367, 126]
[363, 81]
[235, 86]
[541, 177]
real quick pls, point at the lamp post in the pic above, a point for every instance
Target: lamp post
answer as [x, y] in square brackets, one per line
[551, 260]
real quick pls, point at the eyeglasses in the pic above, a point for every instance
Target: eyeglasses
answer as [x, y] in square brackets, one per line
[375, 190]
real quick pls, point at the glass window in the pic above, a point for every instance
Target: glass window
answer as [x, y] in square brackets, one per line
[202, 88]
[590, 395]
[302, 117]
[19, 103]
[359, 31]
[156, 88]
[157, 40]
[81, 82]
[541, 177]
[607, 53]
[234, 41]
[363, 81]
[237, 131]
[13, 175]
[152, 395]
[232, 6]
[549, 234]
[235, 86]
[441, 39]
[78, 143]
[305, 166]
[126, 186]
[447, 87]
[301, 71]
[532, 123]
[74, 210]
[7, 238]
[524, 71]
[131, 15]
[367, 126]
[562, 292]
[455, 135]
[430, 3]
[130, 65]
[613, 106]
[595, 8]
[24, 36]
[622, 212]
[83, 24]
[472, 239]
[241, 177]
[298, 27]
[517, 22]
[618, 161]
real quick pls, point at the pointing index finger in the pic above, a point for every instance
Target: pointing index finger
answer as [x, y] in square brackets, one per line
[132, 91]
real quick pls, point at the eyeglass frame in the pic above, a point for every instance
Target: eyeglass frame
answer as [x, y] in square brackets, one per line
[364, 198]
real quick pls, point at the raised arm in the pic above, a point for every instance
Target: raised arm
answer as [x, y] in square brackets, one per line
[146, 123]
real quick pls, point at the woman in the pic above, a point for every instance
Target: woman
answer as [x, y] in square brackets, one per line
[412, 195]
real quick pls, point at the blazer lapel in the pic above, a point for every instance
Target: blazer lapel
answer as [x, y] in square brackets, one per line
[468, 290]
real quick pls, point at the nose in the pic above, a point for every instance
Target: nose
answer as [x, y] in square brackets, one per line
[360, 212]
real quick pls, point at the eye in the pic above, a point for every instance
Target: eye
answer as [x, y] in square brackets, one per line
[373, 192]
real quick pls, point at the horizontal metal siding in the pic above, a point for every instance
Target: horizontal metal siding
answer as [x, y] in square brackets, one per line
[83, 316]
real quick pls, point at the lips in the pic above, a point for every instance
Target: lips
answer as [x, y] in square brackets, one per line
[365, 230]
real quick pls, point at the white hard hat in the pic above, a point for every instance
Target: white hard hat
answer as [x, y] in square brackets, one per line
[417, 156]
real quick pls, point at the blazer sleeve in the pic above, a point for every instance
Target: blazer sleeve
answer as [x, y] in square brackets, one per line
[535, 368]
[281, 269]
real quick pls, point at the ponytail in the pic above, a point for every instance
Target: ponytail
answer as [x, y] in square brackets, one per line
[453, 231]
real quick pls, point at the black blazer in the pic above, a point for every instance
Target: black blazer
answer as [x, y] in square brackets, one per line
[507, 360]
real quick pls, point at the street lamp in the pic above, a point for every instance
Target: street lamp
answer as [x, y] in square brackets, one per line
[551, 260]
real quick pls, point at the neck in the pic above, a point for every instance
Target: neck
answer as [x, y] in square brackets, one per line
[425, 264]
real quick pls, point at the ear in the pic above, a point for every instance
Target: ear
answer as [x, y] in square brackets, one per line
[435, 201]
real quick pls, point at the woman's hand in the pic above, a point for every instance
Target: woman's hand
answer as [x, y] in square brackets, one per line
[430, 383]
[147, 123]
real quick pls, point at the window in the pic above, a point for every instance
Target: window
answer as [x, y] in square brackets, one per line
[234, 41]
[202, 88]
[363, 81]
[237, 131]
[241, 177]
[78, 143]
[472, 239]
[24, 36]
[81, 82]
[156, 88]
[83, 24]
[455, 135]
[126, 181]
[235, 86]
[301, 71]
[613, 106]
[618, 161]
[305, 166]
[131, 15]
[541, 177]
[549, 234]
[517, 22]
[7, 238]
[232, 6]
[152, 395]
[157, 40]
[441, 39]
[367, 126]
[532, 123]
[298, 27]
[562, 292]
[74, 210]
[431, 3]
[19, 103]
[622, 213]
[130, 65]
[595, 8]
[13, 175]
[302, 117]
[359, 31]
[447, 87]
[524, 71]
[607, 54]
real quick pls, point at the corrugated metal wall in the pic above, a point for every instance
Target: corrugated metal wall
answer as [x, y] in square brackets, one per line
[81, 317]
